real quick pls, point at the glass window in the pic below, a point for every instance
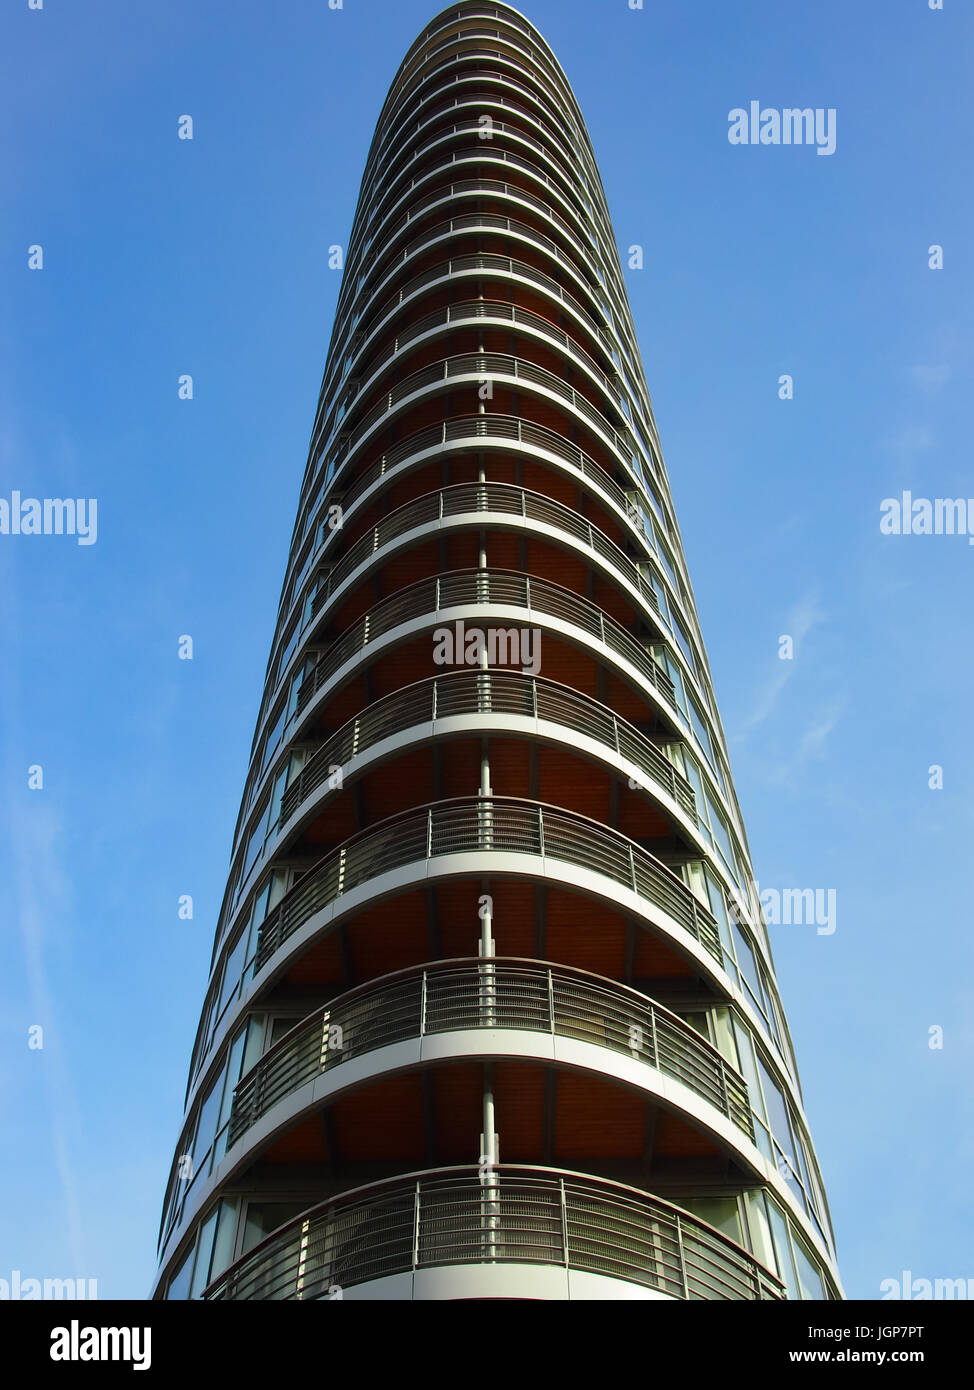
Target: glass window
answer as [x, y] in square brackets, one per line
[265, 1217]
[745, 1050]
[700, 729]
[749, 969]
[654, 501]
[201, 1276]
[720, 1212]
[808, 1276]
[254, 845]
[303, 671]
[206, 1129]
[782, 1246]
[684, 642]
[179, 1283]
[233, 1076]
[660, 592]
[233, 972]
[285, 657]
[777, 1110]
[773, 1008]
[223, 1244]
[724, 1036]
[273, 737]
[718, 907]
[760, 1228]
[666, 561]
[720, 832]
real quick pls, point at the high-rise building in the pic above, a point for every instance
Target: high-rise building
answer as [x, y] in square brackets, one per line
[492, 1010]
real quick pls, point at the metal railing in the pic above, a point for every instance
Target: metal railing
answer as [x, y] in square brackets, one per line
[480, 427]
[490, 364]
[507, 825]
[470, 588]
[463, 265]
[465, 309]
[429, 111]
[487, 692]
[414, 204]
[448, 996]
[468, 499]
[504, 1215]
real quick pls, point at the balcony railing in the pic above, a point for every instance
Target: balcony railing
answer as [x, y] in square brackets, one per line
[470, 825]
[429, 111]
[488, 364]
[465, 310]
[500, 994]
[488, 427]
[468, 499]
[469, 588]
[487, 692]
[504, 1215]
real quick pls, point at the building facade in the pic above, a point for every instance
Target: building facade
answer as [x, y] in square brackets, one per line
[492, 1010]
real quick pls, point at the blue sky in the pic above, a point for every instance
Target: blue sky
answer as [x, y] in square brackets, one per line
[164, 257]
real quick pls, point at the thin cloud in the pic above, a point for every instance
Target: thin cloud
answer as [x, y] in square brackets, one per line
[798, 624]
[930, 378]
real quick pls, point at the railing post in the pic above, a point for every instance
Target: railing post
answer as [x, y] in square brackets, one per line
[422, 1008]
[429, 833]
[416, 1203]
[551, 1002]
[683, 1258]
[564, 1221]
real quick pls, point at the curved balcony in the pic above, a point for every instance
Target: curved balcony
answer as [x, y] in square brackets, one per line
[417, 120]
[470, 825]
[394, 256]
[420, 137]
[561, 176]
[515, 995]
[377, 276]
[447, 196]
[505, 432]
[468, 44]
[462, 694]
[498, 366]
[498, 1216]
[413, 199]
[464, 590]
[482, 264]
[439, 509]
[468, 313]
